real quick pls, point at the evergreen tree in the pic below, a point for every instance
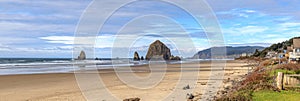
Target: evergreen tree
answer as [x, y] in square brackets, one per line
[256, 53]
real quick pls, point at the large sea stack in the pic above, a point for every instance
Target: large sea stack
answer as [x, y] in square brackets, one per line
[82, 56]
[158, 49]
[136, 56]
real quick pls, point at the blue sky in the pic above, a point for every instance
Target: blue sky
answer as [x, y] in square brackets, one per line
[45, 28]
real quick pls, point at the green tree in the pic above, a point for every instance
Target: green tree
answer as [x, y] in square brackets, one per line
[256, 53]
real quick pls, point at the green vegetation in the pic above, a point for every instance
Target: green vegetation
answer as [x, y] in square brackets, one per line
[256, 81]
[284, 71]
[259, 85]
[256, 53]
[266, 95]
[290, 68]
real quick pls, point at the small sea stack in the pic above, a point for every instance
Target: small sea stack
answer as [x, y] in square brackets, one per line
[81, 56]
[136, 56]
[175, 58]
[142, 58]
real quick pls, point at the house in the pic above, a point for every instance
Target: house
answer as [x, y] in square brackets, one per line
[287, 51]
[244, 55]
[271, 55]
[294, 56]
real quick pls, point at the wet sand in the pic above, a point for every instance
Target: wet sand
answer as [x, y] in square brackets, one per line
[64, 86]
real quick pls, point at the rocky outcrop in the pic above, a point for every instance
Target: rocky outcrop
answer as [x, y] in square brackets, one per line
[136, 56]
[82, 56]
[158, 49]
[132, 99]
[175, 58]
[142, 58]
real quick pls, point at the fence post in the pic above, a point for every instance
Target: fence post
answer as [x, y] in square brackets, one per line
[280, 80]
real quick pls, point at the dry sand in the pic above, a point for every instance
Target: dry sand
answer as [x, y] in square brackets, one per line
[64, 87]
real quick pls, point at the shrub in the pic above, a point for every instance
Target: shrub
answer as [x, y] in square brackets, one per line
[289, 66]
[257, 80]
[266, 63]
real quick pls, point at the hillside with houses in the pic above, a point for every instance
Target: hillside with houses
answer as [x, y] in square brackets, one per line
[288, 50]
[275, 75]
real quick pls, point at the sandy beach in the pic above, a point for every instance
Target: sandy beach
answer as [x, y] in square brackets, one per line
[64, 87]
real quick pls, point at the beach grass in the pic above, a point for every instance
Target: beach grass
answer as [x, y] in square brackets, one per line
[285, 71]
[266, 95]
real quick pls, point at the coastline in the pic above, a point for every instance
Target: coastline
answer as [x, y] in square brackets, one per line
[63, 86]
[44, 66]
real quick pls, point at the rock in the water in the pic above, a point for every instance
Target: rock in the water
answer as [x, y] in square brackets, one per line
[136, 56]
[158, 49]
[175, 58]
[142, 58]
[82, 56]
[132, 99]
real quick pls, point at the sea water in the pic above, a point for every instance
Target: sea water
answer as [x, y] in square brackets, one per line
[13, 66]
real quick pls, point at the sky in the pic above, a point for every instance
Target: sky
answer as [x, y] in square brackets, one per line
[46, 28]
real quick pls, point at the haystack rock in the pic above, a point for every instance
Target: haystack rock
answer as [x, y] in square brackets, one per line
[158, 49]
[82, 56]
[136, 56]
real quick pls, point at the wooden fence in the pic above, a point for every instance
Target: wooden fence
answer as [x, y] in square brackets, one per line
[286, 80]
[291, 81]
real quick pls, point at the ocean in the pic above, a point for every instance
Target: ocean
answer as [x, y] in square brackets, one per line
[13, 66]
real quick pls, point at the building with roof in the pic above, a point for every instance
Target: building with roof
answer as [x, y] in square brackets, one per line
[271, 55]
[287, 51]
[294, 56]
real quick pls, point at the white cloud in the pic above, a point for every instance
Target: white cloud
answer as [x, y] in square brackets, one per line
[19, 28]
[250, 11]
[252, 29]
[5, 48]
[59, 39]
[245, 30]
[27, 52]
[290, 24]
[98, 41]
[239, 13]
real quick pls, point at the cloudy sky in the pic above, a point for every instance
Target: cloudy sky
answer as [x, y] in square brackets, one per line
[45, 28]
